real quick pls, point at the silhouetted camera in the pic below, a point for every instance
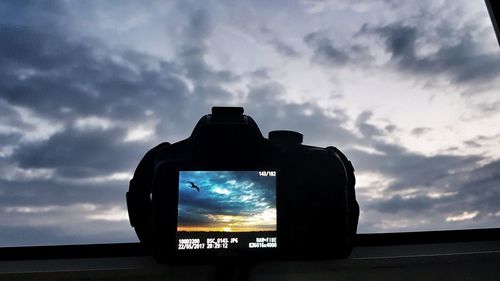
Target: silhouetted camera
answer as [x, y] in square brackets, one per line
[227, 192]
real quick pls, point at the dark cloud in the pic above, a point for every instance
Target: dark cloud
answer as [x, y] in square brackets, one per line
[279, 45]
[74, 153]
[471, 192]
[366, 129]
[420, 131]
[411, 205]
[480, 140]
[400, 41]
[325, 52]
[471, 143]
[13, 119]
[409, 169]
[27, 235]
[41, 192]
[462, 61]
[63, 79]
[285, 49]
[12, 236]
[390, 128]
[10, 138]
[36, 13]
[260, 73]
[481, 189]
[437, 188]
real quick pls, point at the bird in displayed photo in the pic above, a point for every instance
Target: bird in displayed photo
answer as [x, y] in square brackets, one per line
[194, 186]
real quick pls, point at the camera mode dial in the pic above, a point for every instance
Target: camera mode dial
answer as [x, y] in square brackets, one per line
[285, 137]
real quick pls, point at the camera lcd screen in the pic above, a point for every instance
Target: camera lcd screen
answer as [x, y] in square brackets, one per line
[226, 210]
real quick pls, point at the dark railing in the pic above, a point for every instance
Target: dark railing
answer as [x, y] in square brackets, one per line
[136, 249]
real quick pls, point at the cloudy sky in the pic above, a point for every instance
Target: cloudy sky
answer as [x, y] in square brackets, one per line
[407, 89]
[226, 201]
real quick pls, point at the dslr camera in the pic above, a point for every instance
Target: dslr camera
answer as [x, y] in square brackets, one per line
[226, 192]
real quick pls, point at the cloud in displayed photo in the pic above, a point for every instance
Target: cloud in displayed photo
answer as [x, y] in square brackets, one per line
[408, 90]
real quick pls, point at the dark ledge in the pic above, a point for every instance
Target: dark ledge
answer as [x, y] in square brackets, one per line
[427, 237]
[136, 249]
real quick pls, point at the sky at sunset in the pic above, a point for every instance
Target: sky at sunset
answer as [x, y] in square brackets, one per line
[408, 90]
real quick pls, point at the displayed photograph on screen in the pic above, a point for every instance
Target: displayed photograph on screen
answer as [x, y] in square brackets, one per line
[226, 209]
